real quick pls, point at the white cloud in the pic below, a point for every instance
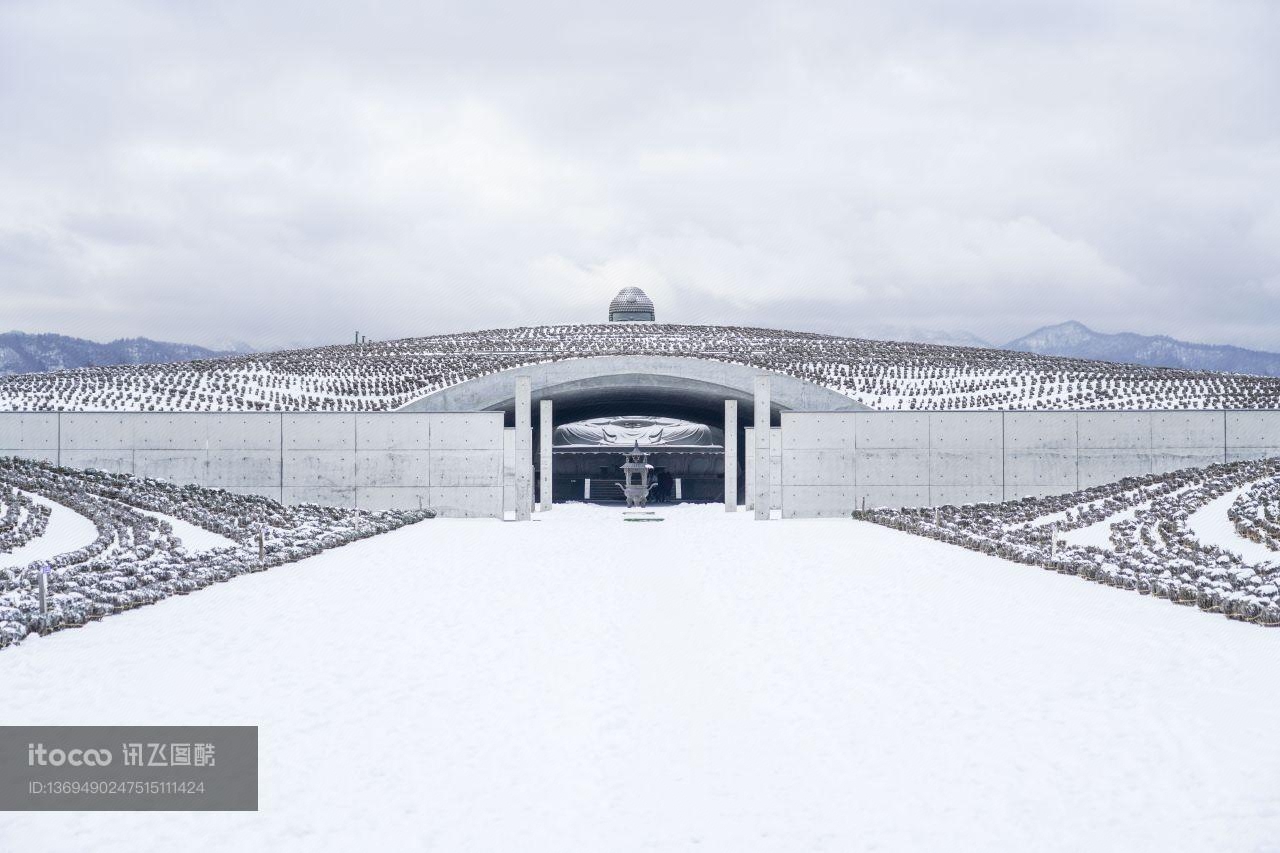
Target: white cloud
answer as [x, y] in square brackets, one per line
[286, 172]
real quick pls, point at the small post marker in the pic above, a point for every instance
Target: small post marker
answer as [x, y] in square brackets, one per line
[44, 592]
[262, 544]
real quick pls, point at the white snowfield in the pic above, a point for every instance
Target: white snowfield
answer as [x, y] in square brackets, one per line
[707, 683]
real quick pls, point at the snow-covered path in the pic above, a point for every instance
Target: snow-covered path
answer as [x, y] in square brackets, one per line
[1098, 534]
[707, 683]
[67, 531]
[1211, 526]
[195, 539]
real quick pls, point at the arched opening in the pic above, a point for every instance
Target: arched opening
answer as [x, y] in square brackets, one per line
[686, 458]
[687, 389]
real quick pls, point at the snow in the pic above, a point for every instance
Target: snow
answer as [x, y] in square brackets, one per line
[1211, 526]
[708, 683]
[195, 539]
[67, 531]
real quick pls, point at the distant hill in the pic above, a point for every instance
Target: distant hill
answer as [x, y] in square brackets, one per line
[23, 353]
[1076, 340]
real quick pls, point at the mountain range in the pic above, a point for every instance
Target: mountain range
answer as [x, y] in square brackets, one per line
[24, 353]
[1073, 339]
[1077, 340]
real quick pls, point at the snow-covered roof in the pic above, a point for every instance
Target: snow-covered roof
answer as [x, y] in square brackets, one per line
[388, 374]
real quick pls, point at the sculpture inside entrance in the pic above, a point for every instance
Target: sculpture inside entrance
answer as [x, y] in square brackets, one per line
[636, 470]
[643, 430]
[686, 459]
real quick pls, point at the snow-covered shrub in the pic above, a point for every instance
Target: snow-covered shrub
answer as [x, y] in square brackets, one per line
[1153, 553]
[1256, 513]
[882, 374]
[21, 520]
[136, 560]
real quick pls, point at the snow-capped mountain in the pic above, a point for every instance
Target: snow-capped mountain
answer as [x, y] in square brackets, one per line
[1076, 340]
[24, 353]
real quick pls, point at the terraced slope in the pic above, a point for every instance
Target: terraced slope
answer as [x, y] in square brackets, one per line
[386, 375]
[137, 558]
[1152, 538]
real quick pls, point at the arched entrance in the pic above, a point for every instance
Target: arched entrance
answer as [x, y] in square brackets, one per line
[689, 389]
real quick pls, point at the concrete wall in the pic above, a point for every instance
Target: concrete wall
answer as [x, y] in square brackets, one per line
[450, 462]
[821, 463]
[832, 462]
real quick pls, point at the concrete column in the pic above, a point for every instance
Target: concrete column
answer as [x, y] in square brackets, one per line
[524, 449]
[586, 489]
[679, 496]
[730, 455]
[545, 428]
[761, 450]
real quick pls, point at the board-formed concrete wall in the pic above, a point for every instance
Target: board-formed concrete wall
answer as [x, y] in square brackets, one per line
[833, 462]
[383, 460]
[463, 464]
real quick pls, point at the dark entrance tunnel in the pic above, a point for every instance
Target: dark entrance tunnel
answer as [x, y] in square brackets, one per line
[689, 475]
[701, 476]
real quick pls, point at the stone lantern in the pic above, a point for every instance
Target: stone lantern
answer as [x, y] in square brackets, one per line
[636, 469]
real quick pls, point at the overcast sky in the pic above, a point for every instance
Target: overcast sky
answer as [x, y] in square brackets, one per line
[280, 172]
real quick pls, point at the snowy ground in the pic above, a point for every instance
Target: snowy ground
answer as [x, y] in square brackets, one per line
[707, 683]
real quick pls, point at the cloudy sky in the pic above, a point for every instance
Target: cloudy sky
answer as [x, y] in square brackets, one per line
[288, 172]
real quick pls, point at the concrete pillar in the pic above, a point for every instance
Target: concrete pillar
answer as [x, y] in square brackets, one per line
[761, 450]
[730, 455]
[524, 449]
[679, 496]
[586, 489]
[544, 461]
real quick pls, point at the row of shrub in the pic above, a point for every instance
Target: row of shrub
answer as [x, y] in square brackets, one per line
[1153, 553]
[135, 559]
[21, 520]
[1256, 513]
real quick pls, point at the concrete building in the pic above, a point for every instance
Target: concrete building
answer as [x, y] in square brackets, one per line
[799, 448]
